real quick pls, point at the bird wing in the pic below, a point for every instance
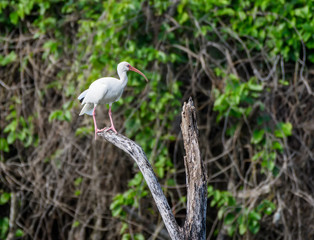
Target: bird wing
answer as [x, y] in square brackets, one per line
[96, 92]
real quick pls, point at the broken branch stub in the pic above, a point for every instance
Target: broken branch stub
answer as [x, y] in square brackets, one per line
[195, 223]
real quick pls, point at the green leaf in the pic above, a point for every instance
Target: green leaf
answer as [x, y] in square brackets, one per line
[126, 236]
[285, 83]
[283, 130]
[182, 199]
[139, 236]
[137, 180]
[161, 172]
[287, 129]
[242, 228]
[210, 191]
[4, 145]
[255, 87]
[76, 224]
[11, 137]
[83, 131]
[257, 156]
[78, 181]
[11, 57]
[226, 11]
[19, 233]
[217, 195]
[116, 211]
[254, 227]
[221, 213]
[254, 216]
[14, 18]
[183, 18]
[77, 192]
[231, 230]
[5, 197]
[55, 115]
[229, 219]
[277, 146]
[11, 127]
[124, 227]
[302, 12]
[4, 223]
[258, 136]
[67, 116]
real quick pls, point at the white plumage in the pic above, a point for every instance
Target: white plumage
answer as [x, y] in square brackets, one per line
[106, 91]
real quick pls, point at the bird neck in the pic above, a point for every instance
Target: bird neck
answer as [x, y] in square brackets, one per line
[123, 78]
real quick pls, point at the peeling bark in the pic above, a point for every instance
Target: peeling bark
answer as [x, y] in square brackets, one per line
[195, 223]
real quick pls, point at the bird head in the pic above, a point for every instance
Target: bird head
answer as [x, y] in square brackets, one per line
[125, 66]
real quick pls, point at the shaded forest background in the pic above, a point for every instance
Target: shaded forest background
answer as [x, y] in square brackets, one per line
[248, 66]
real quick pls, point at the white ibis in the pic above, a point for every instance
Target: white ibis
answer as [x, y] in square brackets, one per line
[106, 91]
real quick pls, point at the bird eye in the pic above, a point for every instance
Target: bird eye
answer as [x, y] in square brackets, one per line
[128, 65]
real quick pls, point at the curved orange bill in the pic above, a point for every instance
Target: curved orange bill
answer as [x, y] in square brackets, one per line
[138, 71]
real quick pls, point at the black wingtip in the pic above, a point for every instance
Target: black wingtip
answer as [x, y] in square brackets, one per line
[81, 100]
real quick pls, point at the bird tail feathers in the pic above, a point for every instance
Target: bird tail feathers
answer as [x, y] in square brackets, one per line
[87, 109]
[82, 95]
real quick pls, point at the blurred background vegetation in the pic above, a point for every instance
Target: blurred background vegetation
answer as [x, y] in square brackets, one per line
[248, 66]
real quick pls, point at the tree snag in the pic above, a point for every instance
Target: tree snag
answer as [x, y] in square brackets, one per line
[195, 223]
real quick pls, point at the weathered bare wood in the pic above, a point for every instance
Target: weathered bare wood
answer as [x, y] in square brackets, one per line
[195, 223]
[137, 153]
[13, 214]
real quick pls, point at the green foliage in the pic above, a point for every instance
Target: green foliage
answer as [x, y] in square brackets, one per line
[4, 146]
[76, 224]
[19, 128]
[137, 236]
[78, 181]
[4, 227]
[268, 146]
[84, 131]
[236, 98]
[279, 25]
[236, 216]
[62, 115]
[4, 198]
[283, 130]
[19, 233]
[131, 197]
[4, 60]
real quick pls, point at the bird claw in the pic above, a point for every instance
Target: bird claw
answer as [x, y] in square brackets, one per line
[107, 129]
[112, 128]
[100, 130]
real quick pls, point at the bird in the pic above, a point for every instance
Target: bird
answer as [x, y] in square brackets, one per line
[106, 90]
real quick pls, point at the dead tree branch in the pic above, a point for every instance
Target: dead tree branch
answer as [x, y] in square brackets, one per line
[137, 153]
[194, 227]
[195, 223]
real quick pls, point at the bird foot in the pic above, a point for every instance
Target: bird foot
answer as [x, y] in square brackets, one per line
[101, 130]
[112, 128]
[107, 129]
